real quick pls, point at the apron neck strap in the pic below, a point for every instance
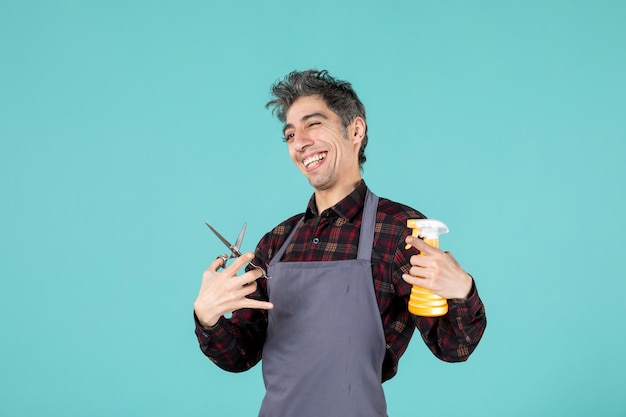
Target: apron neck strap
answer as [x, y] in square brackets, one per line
[368, 225]
[366, 237]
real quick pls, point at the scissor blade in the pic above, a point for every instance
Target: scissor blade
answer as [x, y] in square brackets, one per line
[224, 241]
[240, 237]
[234, 249]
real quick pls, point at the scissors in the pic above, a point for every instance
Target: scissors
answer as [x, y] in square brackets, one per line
[234, 249]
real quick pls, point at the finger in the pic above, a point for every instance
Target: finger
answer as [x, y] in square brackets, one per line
[249, 288]
[238, 263]
[262, 305]
[420, 272]
[250, 276]
[217, 263]
[422, 246]
[415, 280]
[244, 288]
[223, 258]
[416, 242]
[419, 260]
[419, 263]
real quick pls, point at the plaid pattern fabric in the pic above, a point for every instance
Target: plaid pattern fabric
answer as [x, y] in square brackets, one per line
[235, 344]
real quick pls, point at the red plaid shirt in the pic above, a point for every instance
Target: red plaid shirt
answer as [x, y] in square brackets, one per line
[236, 344]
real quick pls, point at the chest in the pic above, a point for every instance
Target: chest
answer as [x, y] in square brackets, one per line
[325, 238]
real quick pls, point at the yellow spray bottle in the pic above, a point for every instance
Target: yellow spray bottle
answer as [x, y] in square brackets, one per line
[422, 301]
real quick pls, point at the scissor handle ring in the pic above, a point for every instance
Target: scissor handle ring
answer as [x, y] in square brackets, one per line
[224, 258]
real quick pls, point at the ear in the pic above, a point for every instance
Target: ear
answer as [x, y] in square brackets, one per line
[356, 130]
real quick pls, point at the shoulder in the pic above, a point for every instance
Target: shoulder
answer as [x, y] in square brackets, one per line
[393, 212]
[286, 226]
[391, 224]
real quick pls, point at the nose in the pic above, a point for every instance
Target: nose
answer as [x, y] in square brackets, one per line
[301, 140]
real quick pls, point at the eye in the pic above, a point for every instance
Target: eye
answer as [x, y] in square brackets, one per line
[288, 136]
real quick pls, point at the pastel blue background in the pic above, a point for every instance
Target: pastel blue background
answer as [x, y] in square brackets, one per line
[124, 125]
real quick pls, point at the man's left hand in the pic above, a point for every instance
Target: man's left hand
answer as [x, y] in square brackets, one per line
[437, 271]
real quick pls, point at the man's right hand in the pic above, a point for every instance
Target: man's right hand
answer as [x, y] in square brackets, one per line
[224, 292]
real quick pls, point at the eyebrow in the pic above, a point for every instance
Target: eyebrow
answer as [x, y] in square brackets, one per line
[304, 119]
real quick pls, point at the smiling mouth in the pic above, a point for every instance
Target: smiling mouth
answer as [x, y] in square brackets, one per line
[314, 159]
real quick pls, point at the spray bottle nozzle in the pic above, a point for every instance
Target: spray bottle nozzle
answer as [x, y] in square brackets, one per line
[428, 228]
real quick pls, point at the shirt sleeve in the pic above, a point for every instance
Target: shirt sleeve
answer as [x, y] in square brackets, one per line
[235, 344]
[454, 336]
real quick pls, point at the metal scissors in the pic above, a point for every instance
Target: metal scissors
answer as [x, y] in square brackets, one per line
[234, 249]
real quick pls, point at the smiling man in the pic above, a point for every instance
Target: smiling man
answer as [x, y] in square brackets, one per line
[332, 322]
[323, 149]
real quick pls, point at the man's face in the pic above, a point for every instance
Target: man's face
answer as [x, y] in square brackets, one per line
[324, 152]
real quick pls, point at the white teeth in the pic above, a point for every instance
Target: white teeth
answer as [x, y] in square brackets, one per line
[311, 159]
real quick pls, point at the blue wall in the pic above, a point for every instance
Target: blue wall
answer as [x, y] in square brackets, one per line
[125, 125]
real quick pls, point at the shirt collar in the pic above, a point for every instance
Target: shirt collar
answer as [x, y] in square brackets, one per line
[348, 208]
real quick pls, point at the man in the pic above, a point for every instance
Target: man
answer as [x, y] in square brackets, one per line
[332, 321]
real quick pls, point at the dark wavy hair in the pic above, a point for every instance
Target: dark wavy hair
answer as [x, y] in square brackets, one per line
[338, 95]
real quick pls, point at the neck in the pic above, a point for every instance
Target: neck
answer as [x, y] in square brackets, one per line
[329, 197]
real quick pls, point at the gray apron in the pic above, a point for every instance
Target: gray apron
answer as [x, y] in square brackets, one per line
[325, 344]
